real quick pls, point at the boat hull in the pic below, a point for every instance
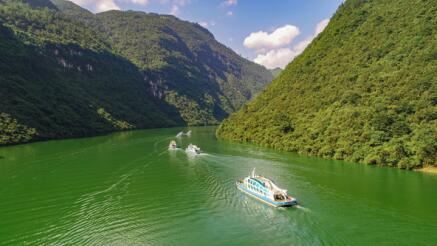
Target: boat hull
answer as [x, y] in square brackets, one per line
[192, 152]
[264, 199]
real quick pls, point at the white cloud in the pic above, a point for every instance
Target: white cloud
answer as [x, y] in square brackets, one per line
[177, 4]
[204, 24]
[281, 57]
[207, 24]
[275, 58]
[97, 5]
[174, 10]
[229, 13]
[262, 41]
[181, 2]
[140, 2]
[230, 2]
[321, 26]
[105, 5]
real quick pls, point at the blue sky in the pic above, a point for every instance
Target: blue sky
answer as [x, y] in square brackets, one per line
[270, 32]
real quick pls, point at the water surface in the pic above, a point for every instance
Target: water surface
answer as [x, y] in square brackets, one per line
[127, 189]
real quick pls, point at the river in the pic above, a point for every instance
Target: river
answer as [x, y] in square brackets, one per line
[128, 189]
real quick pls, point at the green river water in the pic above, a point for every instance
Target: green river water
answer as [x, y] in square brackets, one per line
[127, 189]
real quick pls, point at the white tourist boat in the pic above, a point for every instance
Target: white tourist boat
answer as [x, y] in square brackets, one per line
[192, 149]
[265, 190]
[172, 145]
[181, 134]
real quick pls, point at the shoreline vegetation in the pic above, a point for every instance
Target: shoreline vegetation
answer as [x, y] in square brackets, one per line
[365, 90]
[67, 72]
[428, 169]
[344, 98]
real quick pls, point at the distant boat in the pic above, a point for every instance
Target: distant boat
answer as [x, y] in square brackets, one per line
[180, 134]
[172, 145]
[192, 149]
[265, 190]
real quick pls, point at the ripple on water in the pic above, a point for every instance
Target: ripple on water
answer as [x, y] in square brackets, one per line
[131, 190]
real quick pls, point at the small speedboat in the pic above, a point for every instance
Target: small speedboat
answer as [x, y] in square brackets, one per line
[172, 145]
[181, 134]
[265, 190]
[192, 149]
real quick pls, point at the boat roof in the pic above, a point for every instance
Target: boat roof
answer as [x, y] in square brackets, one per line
[257, 180]
[261, 180]
[265, 182]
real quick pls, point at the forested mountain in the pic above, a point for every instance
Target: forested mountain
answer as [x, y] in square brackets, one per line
[365, 90]
[181, 61]
[64, 74]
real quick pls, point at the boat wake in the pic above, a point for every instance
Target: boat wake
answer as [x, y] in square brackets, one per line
[155, 145]
[303, 208]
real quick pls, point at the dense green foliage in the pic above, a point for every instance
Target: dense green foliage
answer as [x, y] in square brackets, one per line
[365, 90]
[66, 72]
[13, 132]
[119, 124]
[181, 61]
[56, 73]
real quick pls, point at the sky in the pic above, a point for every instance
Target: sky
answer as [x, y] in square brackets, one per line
[268, 32]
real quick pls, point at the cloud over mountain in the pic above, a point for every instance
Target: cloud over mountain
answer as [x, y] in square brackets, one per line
[277, 49]
[278, 38]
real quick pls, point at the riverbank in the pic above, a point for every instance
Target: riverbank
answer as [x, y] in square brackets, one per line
[428, 169]
[128, 185]
[90, 135]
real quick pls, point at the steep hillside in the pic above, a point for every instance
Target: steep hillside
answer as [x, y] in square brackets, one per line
[66, 72]
[181, 61]
[365, 90]
[59, 79]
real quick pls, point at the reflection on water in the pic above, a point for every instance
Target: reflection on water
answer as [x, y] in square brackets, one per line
[128, 188]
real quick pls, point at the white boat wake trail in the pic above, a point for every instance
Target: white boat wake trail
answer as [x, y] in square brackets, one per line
[303, 208]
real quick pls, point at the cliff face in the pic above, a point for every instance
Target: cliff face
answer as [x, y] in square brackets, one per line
[181, 61]
[63, 75]
[365, 90]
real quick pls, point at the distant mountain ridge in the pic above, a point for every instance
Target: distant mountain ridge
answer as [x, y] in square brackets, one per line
[276, 71]
[65, 75]
[365, 90]
[181, 60]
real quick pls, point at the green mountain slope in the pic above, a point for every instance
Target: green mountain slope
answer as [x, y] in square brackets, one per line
[181, 61]
[63, 75]
[365, 90]
[59, 79]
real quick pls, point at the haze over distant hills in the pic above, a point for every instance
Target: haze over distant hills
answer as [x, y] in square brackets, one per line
[68, 73]
[276, 71]
[365, 90]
